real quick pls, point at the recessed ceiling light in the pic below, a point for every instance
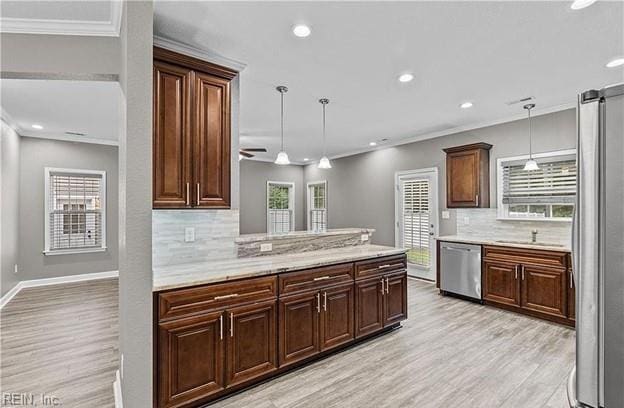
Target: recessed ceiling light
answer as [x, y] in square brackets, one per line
[372, 144]
[36, 126]
[581, 4]
[301, 30]
[305, 159]
[406, 77]
[466, 105]
[615, 62]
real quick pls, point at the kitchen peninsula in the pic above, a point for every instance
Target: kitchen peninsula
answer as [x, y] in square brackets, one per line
[226, 324]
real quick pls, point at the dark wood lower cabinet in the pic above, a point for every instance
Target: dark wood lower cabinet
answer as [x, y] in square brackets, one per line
[543, 290]
[191, 354]
[571, 296]
[299, 327]
[500, 283]
[213, 340]
[251, 348]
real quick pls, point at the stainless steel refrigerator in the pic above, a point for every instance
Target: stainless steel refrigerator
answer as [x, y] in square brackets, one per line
[598, 251]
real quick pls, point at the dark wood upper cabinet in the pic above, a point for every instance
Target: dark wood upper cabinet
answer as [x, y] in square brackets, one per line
[251, 345]
[172, 138]
[192, 141]
[468, 176]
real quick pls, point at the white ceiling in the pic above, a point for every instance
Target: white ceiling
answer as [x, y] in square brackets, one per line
[89, 107]
[485, 52]
[91, 17]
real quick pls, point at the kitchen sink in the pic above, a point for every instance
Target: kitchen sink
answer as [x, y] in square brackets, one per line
[531, 243]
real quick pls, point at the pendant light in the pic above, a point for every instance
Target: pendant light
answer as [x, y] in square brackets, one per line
[282, 157]
[531, 164]
[324, 162]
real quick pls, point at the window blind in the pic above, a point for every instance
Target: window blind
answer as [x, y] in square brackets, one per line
[553, 183]
[416, 219]
[75, 211]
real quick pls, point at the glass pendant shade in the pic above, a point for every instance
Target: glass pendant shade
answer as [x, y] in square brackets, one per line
[282, 158]
[531, 165]
[324, 163]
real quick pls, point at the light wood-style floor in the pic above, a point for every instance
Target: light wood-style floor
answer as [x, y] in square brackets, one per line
[62, 340]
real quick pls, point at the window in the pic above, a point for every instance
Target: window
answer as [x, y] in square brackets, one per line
[75, 205]
[280, 207]
[317, 206]
[416, 220]
[544, 194]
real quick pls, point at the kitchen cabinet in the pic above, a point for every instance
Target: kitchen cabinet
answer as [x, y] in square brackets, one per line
[468, 176]
[529, 281]
[191, 132]
[213, 340]
[571, 293]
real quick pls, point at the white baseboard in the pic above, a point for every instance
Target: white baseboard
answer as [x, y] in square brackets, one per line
[55, 281]
[117, 391]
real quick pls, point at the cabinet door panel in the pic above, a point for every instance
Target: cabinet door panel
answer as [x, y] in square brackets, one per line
[369, 306]
[337, 316]
[171, 140]
[395, 299]
[211, 160]
[500, 283]
[251, 342]
[299, 327]
[543, 290]
[190, 359]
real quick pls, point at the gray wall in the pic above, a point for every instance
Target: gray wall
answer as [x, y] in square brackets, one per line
[253, 178]
[9, 210]
[361, 187]
[36, 154]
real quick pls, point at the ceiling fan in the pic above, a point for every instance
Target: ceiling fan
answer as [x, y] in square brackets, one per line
[247, 152]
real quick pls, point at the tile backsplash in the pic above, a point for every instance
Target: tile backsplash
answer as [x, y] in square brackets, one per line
[482, 223]
[215, 231]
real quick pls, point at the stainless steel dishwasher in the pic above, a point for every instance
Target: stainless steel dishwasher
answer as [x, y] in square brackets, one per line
[460, 269]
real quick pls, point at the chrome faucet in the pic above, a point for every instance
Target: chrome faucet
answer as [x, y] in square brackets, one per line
[534, 236]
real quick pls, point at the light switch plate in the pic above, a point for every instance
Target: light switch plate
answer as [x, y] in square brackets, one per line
[364, 237]
[446, 215]
[189, 234]
[466, 220]
[266, 247]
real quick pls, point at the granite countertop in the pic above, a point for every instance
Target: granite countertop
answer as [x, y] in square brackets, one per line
[547, 246]
[183, 275]
[246, 238]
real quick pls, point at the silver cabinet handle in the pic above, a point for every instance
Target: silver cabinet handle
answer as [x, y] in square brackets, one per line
[477, 200]
[231, 324]
[188, 193]
[221, 327]
[384, 266]
[382, 286]
[387, 286]
[325, 301]
[321, 278]
[197, 193]
[516, 270]
[571, 280]
[233, 295]
[522, 272]
[318, 302]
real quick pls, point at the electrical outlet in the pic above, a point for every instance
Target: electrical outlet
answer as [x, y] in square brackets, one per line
[466, 220]
[15, 268]
[189, 234]
[446, 215]
[266, 247]
[364, 237]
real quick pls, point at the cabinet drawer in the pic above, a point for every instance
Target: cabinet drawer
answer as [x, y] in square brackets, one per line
[525, 256]
[378, 266]
[316, 278]
[195, 300]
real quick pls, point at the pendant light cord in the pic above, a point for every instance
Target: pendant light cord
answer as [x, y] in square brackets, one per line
[324, 144]
[282, 118]
[530, 137]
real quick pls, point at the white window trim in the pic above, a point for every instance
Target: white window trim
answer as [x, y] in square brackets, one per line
[500, 210]
[291, 202]
[46, 218]
[309, 201]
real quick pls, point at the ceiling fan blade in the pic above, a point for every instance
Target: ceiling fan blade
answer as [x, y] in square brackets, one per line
[244, 153]
[255, 149]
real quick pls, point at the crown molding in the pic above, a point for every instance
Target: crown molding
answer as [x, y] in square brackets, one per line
[71, 138]
[108, 28]
[199, 53]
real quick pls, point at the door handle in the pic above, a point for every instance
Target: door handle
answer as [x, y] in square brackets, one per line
[221, 327]
[188, 193]
[318, 302]
[477, 200]
[516, 270]
[384, 266]
[522, 266]
[571, 280]
[197, 193]
[231, 324]
[382, 286]
[321, 278]
[325, 301]
[387, 285]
